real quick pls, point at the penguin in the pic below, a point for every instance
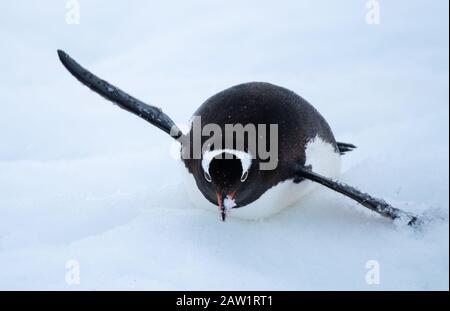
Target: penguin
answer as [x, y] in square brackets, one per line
[239, 175]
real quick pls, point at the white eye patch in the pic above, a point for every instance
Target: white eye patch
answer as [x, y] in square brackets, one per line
[244, 157]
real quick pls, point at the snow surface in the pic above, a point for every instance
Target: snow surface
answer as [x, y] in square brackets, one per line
[83, 180]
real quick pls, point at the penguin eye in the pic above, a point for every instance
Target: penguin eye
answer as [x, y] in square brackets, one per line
[207, 177]
[244, 176]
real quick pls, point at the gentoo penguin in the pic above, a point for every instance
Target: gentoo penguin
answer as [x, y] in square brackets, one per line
[239, 173]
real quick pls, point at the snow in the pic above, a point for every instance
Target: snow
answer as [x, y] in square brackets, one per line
[229, 203]
[83, 181]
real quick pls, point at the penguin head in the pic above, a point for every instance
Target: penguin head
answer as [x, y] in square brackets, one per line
[224, 173]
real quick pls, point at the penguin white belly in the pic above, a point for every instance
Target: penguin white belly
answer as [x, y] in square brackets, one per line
[320, 155]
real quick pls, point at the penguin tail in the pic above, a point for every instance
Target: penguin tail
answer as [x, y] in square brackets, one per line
[344, 147]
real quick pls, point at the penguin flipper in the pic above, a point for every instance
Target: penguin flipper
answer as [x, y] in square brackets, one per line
[377, 205]
[344, 147]
[125, 101]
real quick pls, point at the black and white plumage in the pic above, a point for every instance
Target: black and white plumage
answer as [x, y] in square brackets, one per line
[308, 153]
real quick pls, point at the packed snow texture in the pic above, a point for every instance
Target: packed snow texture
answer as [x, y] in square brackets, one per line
[83, 182]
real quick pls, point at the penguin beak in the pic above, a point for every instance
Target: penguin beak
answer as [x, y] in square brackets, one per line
[221, 197]
[220, 202]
